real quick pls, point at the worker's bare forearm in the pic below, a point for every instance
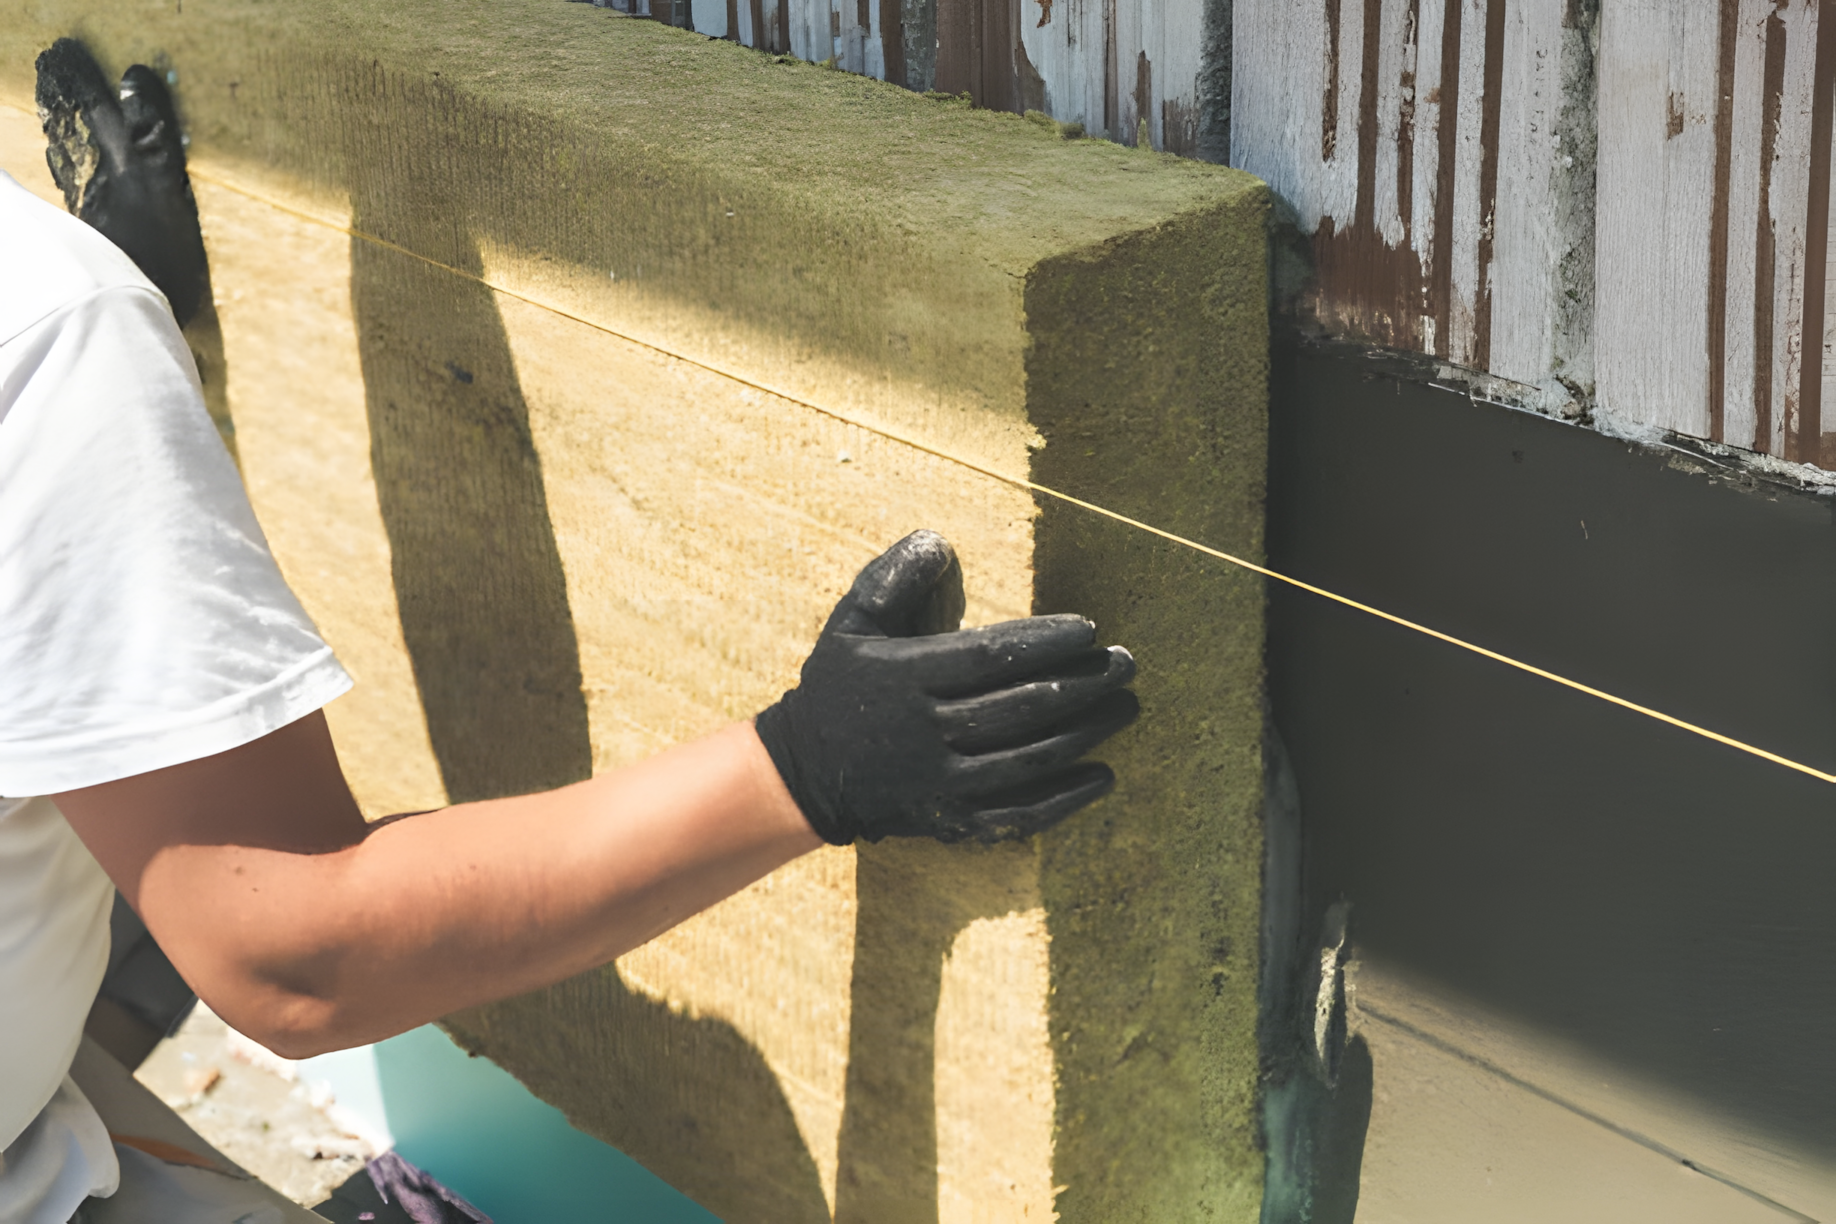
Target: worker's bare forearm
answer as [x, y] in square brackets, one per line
[310, 930]
[316, 948]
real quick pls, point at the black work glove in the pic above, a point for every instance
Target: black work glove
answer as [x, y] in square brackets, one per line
[118, 158]
[905, 726]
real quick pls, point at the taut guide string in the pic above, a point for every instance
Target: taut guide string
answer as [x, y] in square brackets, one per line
[1034, 487]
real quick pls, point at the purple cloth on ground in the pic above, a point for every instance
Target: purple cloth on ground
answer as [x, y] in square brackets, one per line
[423, 1198]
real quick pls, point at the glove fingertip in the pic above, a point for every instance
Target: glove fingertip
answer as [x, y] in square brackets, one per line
[1122, 666]
[1100, 780]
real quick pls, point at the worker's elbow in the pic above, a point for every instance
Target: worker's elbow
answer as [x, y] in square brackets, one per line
[297, 1046]
[294, 1033]
[292, 1013]
[280, 978]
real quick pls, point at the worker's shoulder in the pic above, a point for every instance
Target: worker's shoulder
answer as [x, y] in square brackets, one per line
[50, 260]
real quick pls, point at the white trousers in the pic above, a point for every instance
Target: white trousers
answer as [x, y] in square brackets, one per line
[169, 1175]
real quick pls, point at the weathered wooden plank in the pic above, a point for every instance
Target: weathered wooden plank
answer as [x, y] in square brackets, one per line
[1705, 215]
[1119, 67]
[1278, 82]
[1392, 39]
[1468, 110]
[1166, 57]
[770, 25]
[1431, 72]
[1817, 250]
[1056, 38]
[1528, 228]
[1789, 220]
[1827, 402]
[1656, 189]
[1340, 106]
[809, 29]
[1733, 220]
[974, 50]
[1770, 247]
[861, 38]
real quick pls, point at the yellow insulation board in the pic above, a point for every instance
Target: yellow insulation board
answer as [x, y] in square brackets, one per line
[570, 446]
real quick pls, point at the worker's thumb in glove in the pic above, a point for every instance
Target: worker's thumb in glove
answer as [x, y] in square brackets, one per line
[913, 588]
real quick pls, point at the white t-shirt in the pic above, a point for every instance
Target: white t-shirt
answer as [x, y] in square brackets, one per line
[143, 623]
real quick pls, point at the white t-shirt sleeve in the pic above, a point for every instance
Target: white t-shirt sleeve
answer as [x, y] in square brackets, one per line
[143, 621]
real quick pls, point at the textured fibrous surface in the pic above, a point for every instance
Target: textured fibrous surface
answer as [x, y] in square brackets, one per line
[1617, 210]
[548, 538]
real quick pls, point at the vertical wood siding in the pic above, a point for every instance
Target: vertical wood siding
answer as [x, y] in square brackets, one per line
[1126, 69]
[1620, 206]
[1429, 147]
[1713, 226]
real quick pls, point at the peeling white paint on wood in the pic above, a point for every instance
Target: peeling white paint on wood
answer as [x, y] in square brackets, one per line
[1790, 201]
[1486, 291]
[1426, 159]
[1702, 248]
[1113, 65]
[1468, 218]
[1739, 421]
[1662, 282]
[1395, 54]
[1167, 45]
[809, 29]
[1656, 183]
[1056, 37]
[1277, 81]
[1345, 80]
[1528, 242]
[1829, 298]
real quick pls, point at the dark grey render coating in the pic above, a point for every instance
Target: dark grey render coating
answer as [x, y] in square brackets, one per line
[1660, 899]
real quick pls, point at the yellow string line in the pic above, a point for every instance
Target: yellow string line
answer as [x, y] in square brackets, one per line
[1034, 487]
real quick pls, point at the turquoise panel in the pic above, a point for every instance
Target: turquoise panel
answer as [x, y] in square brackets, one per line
[475, 1128]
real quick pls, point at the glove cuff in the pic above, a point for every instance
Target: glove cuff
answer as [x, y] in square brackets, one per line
[773, 725]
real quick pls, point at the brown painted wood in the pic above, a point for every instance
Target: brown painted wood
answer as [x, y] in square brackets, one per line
[956, 31]
[892, 40]
[1718, 219]
[1764, 238]
[1440, 290]
[1488, 178]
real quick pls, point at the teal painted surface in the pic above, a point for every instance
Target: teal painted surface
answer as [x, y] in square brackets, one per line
[470, 1124]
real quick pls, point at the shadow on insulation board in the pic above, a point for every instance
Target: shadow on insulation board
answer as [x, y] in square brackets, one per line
[485, 616]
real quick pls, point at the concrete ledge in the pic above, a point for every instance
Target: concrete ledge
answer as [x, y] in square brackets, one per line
[549, 541]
